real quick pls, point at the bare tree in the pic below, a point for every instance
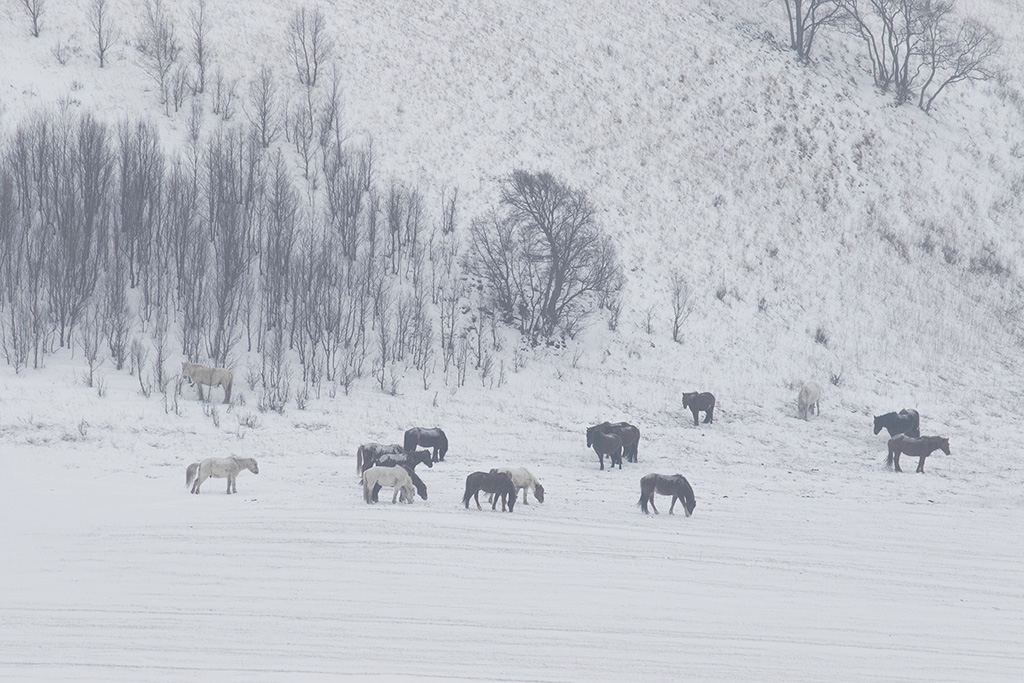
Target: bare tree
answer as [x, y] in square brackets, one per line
[963, 54]
[262, 111]
[310, 46]
[199, 45]
[158, 46]
[103, 29]
[543, 257]
[681, 304]
[35, 9]
[806, 18]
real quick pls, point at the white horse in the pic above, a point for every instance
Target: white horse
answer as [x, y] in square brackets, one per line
[198, 472]
[212, 377]
[397, 476]
[521, 479]
[807, 401]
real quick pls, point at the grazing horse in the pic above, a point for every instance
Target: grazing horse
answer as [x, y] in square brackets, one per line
[397, 477]
[368, 453]
[605, 444]
[919, 446]
[674, 485]
[698, 401]
[212, 377]
[628, 435]
[907, 421]
[409, 462]
[490, 482]
[807, 401]
[431, 438]
[521, 479]
[198, 472]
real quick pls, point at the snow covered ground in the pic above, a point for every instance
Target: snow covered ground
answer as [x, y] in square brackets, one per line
[708, 153]
[805, 560]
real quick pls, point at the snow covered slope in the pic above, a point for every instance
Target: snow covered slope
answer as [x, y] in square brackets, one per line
[800, 194]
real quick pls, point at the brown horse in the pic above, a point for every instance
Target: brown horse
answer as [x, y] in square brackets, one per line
[368, 453]
[494, 482]
[605, 444]
[917, 447]
[674, 485]
[628, 435]
[698, 401]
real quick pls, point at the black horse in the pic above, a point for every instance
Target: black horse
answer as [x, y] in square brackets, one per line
[498, 483]
[605, 444]
[918, 447]
[628, 435]
[907, 421]
[431, 438]
[698, 401]
[674, 485]
[409, 462]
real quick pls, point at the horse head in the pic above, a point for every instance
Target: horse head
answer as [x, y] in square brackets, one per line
[686, 398]
[538, 493]
[423, 457]
[944, 445]
[252, 466]
[590, 436]
[878, 424]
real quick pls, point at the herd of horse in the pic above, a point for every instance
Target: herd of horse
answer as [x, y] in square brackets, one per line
[394, 465]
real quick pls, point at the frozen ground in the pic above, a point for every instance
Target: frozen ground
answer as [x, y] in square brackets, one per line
[804, 560]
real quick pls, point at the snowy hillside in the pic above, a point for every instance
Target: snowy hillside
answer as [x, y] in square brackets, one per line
[796, 200]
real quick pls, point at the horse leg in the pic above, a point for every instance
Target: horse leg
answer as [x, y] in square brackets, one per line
[525, 491]
[395, 496]
[600, 459]
[896, 460]
[435, 454]
[709, 415]
[920, 465]
[696, 417]
[476, 497]
[673, 505]
[229, 483]
[494, 501]
[653, 506]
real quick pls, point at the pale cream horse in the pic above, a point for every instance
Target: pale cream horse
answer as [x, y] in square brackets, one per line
[522, 480]
[212, 377]
[807, 401]
[198, 472]
[396, 476]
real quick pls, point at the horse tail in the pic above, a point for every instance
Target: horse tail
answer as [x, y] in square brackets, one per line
[469, 494]
[359, 460]
[191, 472]
[889, 459]
[366, 488]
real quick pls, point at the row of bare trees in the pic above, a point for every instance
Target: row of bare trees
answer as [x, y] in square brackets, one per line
[917, 48]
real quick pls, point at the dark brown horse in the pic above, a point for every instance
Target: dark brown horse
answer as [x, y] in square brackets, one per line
[907, 421]
[605, 444]
[628, 435]
[917, 447]
[698, 401]
[674, 485]
[498, 483]
[431, 437]
[367, 454]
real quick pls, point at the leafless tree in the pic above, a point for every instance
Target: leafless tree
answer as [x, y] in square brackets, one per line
[103, 29]
[963, 53]
[199, 47]
[35, 9]
[681, 304]
[310, 46]
[225, 95]
[806, 18]
[262, 110]
[542, 256]
[158, 46]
